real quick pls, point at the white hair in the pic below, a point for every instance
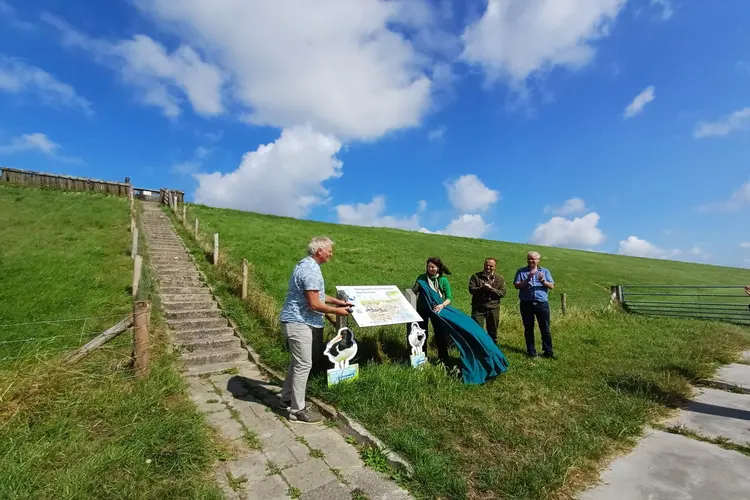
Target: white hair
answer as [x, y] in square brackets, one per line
[318, 243]
[534, 254]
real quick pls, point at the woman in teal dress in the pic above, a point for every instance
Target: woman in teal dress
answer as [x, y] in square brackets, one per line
[481, 358]
[434, 276]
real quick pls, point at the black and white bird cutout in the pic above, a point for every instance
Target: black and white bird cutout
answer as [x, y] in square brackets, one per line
[416, 339]
[341, 348]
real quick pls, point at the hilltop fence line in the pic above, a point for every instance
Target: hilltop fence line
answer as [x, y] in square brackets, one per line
[31, 178]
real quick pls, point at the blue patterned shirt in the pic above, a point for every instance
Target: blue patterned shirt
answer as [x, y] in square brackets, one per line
[306, 276]
[536, 291]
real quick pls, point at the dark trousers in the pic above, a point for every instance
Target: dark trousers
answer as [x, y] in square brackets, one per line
[488, 317]
[441, 338]
[540, 310]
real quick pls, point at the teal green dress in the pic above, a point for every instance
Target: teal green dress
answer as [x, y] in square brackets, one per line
[481, 358]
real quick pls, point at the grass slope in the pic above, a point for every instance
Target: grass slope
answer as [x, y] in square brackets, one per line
[539, 431]
[88, 431]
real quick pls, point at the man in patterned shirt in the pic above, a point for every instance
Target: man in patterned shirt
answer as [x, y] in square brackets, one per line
[302, 325]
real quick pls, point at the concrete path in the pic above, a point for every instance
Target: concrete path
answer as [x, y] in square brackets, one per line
[684, 466]
[272, 458]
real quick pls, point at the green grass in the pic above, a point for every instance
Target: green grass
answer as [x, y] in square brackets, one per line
[541, 430]
[89, 430]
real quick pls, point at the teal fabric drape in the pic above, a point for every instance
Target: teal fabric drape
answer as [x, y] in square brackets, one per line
[481, 358]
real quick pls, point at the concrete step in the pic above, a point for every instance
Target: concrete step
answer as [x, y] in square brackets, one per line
[214, 343]
[194, 314]
[213, 369]
[172, 281]
[162, 250]
[181, 325]
[189, 305]
[211, 357]
[164, 242]
[166, 259]
[174, 266]
[202, 295]
[185, 272]
[202, 333]
[171, 290]
[168, 252]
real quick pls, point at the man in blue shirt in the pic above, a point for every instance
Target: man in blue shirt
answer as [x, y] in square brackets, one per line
[532, 283]
[302, 325]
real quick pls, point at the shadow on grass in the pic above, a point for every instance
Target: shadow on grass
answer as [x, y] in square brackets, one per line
[646, 388]
[510, 348]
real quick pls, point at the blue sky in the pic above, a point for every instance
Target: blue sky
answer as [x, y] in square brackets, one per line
[619, 126]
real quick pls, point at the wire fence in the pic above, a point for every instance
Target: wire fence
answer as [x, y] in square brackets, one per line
[712, 302]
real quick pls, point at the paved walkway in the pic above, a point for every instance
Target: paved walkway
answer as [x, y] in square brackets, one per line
[667, 466]
[273, 459]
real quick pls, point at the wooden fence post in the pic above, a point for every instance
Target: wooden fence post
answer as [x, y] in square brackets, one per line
[132, 200]
[616, 294]
[137, 274]
[132, 223]
[134, 249]
[184, 213]
[196, 229]
[564, 303]
[216, 248]
[244, 279]
[141, 320]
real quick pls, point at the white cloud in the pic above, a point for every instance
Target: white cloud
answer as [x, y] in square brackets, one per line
[469, 194]
[344, 67]
[36, 142]
[667, 11]
[282, 178]
[571, 206]
[371, 215]
[162, 77]
[576, 233]
[436, 134]
[639, 102]
[17, 77]
[517, 38]
[422, 205]
[9, 15]
[737, 201]
[723, 126]
[468, 226]
[745, 244]
[636, 247]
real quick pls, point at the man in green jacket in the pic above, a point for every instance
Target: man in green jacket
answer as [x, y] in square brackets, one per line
[486, 289]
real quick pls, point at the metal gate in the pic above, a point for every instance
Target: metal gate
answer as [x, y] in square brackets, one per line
[713, 302]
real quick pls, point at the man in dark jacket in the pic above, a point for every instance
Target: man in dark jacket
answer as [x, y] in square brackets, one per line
[486, 289]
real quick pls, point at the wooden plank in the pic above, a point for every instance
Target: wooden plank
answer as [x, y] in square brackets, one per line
[101, 339]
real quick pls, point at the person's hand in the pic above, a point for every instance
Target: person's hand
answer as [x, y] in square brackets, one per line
[343, 311]
[438, 308]
[487, 285]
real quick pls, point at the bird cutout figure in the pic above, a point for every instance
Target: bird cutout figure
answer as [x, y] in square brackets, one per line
[416, 339]
[341, 348]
